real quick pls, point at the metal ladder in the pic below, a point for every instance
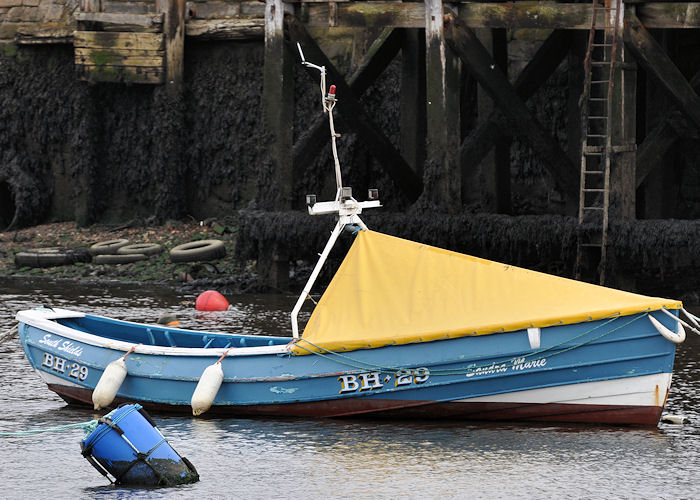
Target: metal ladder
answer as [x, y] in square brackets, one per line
[594, 195]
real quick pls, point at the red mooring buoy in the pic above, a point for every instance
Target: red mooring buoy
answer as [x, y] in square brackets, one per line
[211, 301]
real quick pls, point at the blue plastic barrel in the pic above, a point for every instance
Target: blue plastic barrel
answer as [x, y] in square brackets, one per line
[129, 446]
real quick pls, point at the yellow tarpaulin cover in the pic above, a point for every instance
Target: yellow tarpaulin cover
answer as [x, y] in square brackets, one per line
[394, 291]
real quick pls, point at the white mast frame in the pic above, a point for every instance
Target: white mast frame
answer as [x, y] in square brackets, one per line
[344, 205]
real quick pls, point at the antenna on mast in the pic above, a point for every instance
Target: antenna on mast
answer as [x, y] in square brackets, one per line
[344, 206]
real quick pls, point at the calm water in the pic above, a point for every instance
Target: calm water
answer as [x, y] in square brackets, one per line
[297, 458]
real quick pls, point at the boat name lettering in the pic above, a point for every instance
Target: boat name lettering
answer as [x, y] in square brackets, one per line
[67, 346]
[70, 348]
[49, 341]
[516, 364]
[373, 380]
[521, 364]
[473, 370]
[60, 365]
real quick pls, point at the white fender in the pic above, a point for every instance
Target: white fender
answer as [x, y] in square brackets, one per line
[207, 388]
[676, 338]
[675, 419]
[533, 335]
[109, 384]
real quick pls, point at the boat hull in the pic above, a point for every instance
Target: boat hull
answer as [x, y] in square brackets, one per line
[608, 372]
[517, 407]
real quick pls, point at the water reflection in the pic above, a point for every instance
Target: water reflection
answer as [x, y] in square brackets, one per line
[263, 458]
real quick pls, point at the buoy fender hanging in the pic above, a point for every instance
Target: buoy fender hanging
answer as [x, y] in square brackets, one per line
[676, 338]
[207, 388]
[109, 384]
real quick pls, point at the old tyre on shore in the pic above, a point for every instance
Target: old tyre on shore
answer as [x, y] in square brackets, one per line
[108, 247]
[119, 259]
[144, 248]
[51, 257]
[198, 250]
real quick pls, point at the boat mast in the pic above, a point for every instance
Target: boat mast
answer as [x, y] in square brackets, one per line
[344, 205]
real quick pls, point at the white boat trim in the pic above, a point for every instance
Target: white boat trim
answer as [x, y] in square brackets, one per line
[51, 379]
[43, 319]
[645, 390]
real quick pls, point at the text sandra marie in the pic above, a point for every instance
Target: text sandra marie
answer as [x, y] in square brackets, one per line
[65, 346]
[516, 365]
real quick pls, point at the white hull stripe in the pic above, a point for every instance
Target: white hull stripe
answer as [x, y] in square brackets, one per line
[52, 379]
[647, 390]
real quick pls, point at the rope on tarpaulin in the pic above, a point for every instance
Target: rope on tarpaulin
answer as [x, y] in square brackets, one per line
[363, 365]
[9, 333]
[88, 427]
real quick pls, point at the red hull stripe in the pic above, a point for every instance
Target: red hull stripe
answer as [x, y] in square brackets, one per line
[389, 408]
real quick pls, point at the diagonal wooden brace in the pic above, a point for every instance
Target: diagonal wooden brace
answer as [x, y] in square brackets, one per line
[379, 55]
[479, 63]
[547, 58]
[353, 113]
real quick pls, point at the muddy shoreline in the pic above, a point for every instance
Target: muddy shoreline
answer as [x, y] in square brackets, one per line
[158, 270]
[651, 257]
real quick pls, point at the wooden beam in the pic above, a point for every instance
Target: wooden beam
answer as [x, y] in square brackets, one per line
[378, 57]
[126, 6]
[118, 57]
[501, 172]
[526, 15]
[652, 152]
[575, 80]
[107, 18]
[363, 14]
[529, 14]
[494, 168]
[669, 15]
[412, 98]
[352, 112]
[44, 33]
[651, 55]
[174, 30]
[510, 15]
[622, 116]
[442, 175]
[278, 105]
[109, 40]
[120, 74]
[225, 29]
[482, 67]
[278, 118]
[547, 58]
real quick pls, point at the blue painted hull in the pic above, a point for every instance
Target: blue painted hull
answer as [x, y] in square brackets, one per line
[608, 371]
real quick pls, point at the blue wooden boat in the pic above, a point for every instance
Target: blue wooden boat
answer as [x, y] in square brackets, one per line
[403, 330]
[613, 366]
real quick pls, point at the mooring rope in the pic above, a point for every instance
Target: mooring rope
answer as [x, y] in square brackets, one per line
[363, 365]
[692, 317]
[9, 333]
[88, 427]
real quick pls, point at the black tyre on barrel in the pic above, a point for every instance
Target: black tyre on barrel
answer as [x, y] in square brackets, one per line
[195, 251]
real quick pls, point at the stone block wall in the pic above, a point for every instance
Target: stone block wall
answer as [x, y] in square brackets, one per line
[53, 18]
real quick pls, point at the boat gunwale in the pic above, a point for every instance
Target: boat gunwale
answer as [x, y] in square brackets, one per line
[45, 320]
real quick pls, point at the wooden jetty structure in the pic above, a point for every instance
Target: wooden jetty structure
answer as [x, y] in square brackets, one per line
[441, 46]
